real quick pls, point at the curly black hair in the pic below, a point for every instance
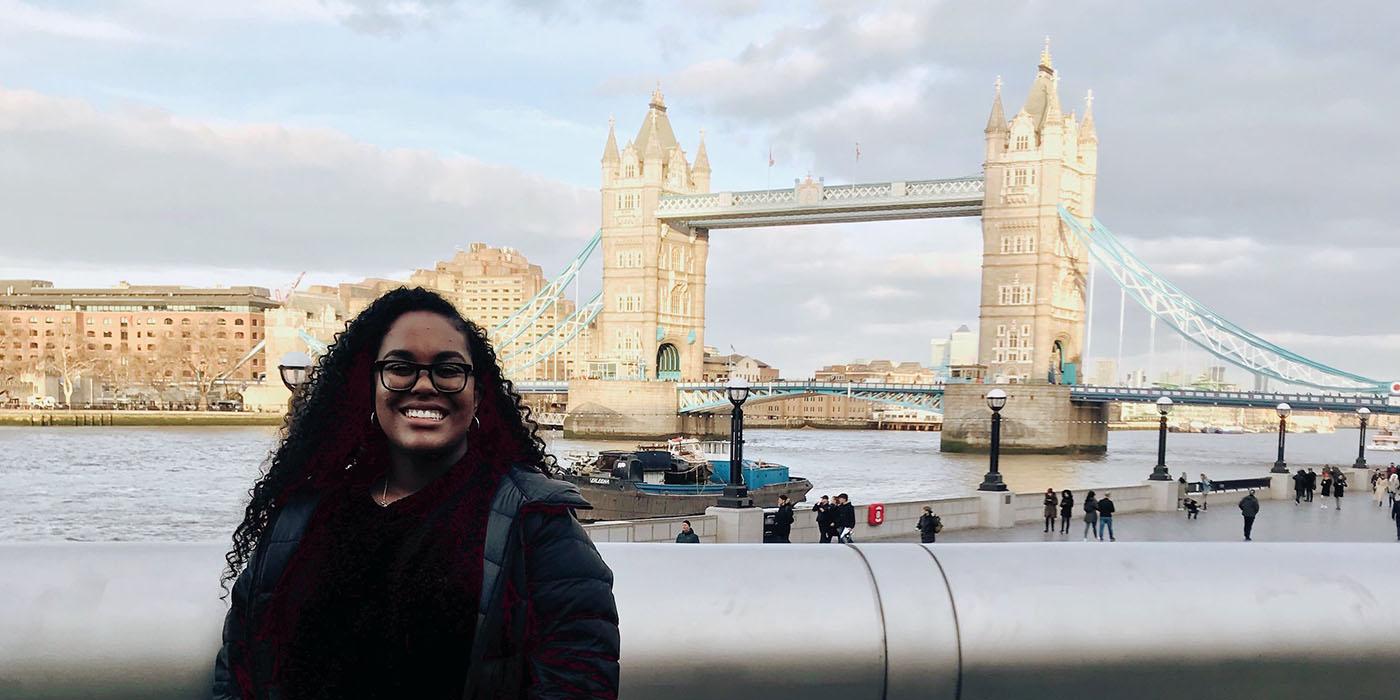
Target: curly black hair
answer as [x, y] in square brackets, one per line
[328, 430]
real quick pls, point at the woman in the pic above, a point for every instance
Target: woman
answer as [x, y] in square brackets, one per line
[1326, 485]
[928, 526]
[1091, 515]
[1378, 486]
[1050, 506]
[407, 540]
[1066, 511]
[1339, 485]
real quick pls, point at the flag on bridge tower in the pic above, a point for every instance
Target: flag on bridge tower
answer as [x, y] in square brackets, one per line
[770, 157]
[857, 150]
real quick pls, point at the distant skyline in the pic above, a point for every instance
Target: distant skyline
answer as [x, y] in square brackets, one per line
[1246, 150]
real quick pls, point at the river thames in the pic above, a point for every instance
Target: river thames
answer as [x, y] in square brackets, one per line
[190, 484]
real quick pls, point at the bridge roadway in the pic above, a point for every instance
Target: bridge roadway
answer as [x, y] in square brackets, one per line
[703, 397]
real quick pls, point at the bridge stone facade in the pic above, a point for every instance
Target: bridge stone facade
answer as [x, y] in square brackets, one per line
[652, 325]
[1034, 271]
[658, 211]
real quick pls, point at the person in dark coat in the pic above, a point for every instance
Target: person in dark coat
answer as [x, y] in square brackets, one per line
[407, 539]
[1395, 515]
[1106, 508]
[845, 519]
[1339, 487]
[1326, 485]
[1091, 516]
[782, 520]
[1311, 486]
[1300, 485]
[929, 526]
[1249, 508]
[1052, 503]
[687, 535]
[822, 512]
[1066, 510]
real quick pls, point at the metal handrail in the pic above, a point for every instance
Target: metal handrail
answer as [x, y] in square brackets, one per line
[889, 621]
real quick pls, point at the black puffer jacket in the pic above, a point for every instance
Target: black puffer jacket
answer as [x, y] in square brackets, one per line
[532, 540]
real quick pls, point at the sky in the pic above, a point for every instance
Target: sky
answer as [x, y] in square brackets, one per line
[1247, 150]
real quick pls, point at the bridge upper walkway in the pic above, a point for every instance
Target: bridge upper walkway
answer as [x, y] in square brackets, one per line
[813, 202]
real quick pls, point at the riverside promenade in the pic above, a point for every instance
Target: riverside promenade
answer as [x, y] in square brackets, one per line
[1278, 521]
[1146, 512]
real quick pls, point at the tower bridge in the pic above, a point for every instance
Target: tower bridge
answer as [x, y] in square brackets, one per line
[1035, 195]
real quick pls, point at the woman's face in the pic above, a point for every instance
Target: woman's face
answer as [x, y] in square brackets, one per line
[423, 419]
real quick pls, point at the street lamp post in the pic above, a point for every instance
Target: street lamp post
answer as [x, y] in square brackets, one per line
[1363, 413]
[1159, 472]
[1280, 466]
[295, 369]
[996, 400]
[736, 494]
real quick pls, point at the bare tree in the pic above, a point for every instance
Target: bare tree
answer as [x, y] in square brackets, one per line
[67, 356]
[209, 356]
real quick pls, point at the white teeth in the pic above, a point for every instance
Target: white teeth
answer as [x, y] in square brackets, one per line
[424, 413]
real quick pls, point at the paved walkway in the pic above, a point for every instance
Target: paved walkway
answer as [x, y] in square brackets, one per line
[1278, 521]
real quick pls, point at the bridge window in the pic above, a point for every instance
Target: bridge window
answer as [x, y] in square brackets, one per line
[1023, 143]
[1020, 179]
[629, 171]
[1015, 294]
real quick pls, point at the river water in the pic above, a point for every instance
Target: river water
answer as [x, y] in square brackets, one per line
[191, 484]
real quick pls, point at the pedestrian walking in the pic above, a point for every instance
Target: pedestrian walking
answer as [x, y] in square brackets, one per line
[1181, 487]
[1052, 506]
[1393, 485]
[845, 520]
[1249, 508]
[1091, 516]
[822, 511]
[1066, 511]
[782, 520]
[1339, 486]
[1105, 508]
[1326, 482]
[1205, 492]
[929, 526]
[1378, 488]
[687, 535]
[1300, 485]
[1311, 487]
[1395, 515]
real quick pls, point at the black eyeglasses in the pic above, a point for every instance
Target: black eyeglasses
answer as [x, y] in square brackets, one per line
[402, 375]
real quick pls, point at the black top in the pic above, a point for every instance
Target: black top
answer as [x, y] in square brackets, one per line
[1105, 506]
[388, 617]
[845, 515]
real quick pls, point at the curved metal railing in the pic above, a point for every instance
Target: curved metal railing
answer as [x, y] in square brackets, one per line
[892, 621]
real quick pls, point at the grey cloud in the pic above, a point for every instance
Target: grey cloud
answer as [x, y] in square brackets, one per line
[140, 188]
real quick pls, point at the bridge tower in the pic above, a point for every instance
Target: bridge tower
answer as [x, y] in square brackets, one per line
[652, 325]
[1034, 271]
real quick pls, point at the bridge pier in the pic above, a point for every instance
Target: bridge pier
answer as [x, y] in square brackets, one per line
[1038, 418]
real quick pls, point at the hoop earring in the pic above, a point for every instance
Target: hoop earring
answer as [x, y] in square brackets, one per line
[476, 422]
[373, 419]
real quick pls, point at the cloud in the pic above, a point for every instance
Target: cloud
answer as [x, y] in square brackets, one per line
[18, 18]
[145, 187]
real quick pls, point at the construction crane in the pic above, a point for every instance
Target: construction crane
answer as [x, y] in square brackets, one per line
[280, 295]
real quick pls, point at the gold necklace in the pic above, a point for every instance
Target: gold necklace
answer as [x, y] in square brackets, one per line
[384, 498]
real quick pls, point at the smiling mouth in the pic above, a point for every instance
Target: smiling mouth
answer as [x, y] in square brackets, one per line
[431, 414]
